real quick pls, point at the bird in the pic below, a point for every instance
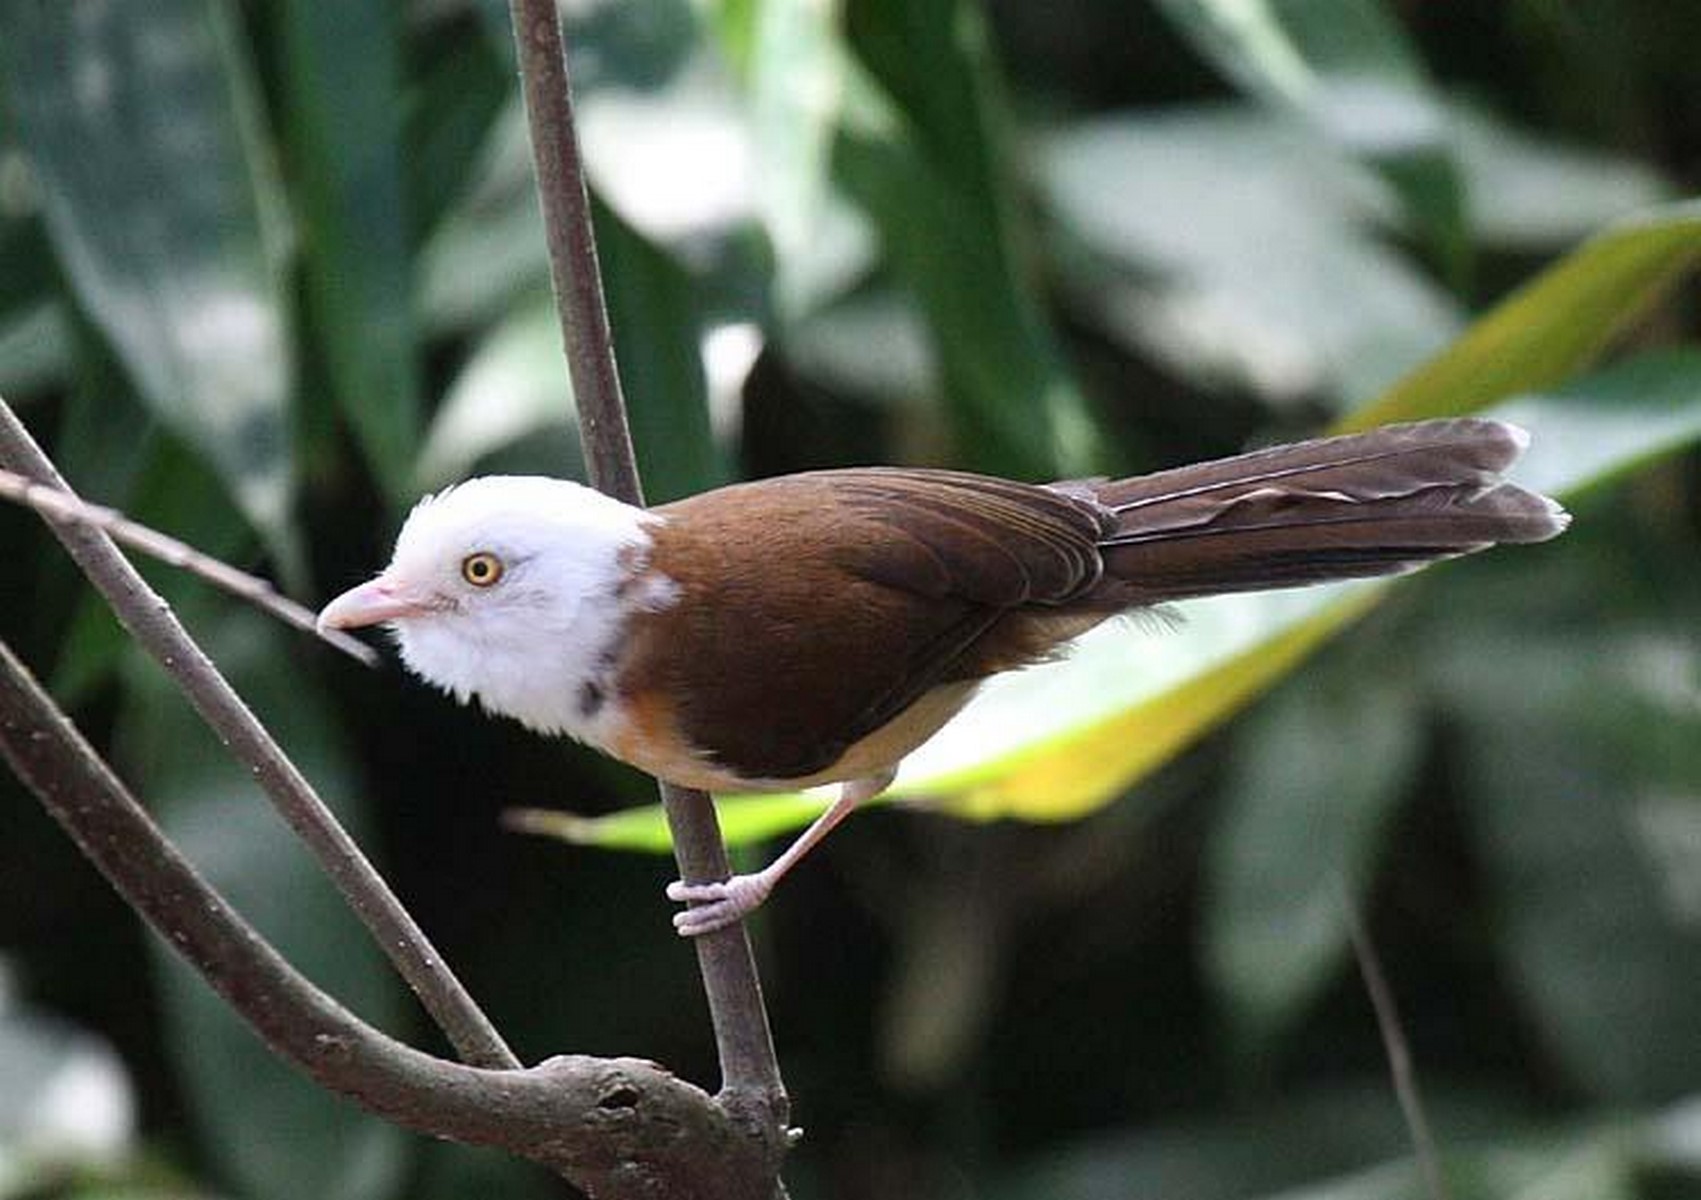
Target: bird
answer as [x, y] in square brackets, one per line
[816, 628]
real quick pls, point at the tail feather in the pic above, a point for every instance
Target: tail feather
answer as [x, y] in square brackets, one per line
[1352, 507]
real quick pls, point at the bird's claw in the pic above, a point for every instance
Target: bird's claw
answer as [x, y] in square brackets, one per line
[716, 905]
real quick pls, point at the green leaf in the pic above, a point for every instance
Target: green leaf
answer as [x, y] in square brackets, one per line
[797, 89]
[343, 128]
[141, 123]
[1241, 250]
[138, 1191]
[1310, 1136]
[656, 105]
[733, 23]
[1554, 325]
[1344, 1144]
[1673, 1139]
[27, 277]
[653, 102]
[744, 819]
[830, 345]
[1348, 68]
[1075, 734]
[1585, 776]
[275, 1133]
[35, 351]
[1591, 1164]
[1610, 423]
[1295, 846]
[450, 115]
[658, 342]
[921, 152]
[1531, 193]
[794, 67]
[513, 386]
[487, 254]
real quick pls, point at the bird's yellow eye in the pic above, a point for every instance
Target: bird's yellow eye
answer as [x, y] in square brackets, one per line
[481, 569]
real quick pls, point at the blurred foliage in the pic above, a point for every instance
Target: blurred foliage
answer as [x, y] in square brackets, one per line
[269, 269]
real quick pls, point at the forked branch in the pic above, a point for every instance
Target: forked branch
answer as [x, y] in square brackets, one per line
[156, 629]
[622, 1129]
[616, 1127]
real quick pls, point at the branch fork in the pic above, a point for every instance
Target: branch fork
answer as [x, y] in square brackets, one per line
[619, 1128]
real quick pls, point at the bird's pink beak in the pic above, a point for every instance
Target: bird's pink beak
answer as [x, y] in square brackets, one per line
[372, 603]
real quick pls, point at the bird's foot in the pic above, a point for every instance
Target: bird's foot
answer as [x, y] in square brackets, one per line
[717, 905]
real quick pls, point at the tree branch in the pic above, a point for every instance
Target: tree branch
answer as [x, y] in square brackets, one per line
[621, 1129]
[571, 238]
[152, 623]
[258, 592]
[751, 1085]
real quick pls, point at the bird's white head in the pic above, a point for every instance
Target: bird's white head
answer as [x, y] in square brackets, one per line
[512, 589]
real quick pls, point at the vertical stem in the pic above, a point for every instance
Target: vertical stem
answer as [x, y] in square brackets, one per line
[1400, 1067]
[573, 265]
[750, 1075]
[673, 1141]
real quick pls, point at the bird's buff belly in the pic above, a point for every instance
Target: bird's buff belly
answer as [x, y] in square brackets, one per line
[645, 734]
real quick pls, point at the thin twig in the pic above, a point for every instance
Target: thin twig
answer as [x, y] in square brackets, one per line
[167, 549]
[751, 1083]
[156, 628]
[1399, 1053]
[623, 1129]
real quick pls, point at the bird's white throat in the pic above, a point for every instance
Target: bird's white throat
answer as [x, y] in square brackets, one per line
[537, 645]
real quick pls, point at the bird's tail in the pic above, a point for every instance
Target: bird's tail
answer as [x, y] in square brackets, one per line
[1350, 507]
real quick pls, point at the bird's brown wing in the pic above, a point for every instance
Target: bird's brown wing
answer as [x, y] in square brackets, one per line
[915, 568]
[995, 542]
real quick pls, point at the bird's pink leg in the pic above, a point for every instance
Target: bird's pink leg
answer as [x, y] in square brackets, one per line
[716, 905]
